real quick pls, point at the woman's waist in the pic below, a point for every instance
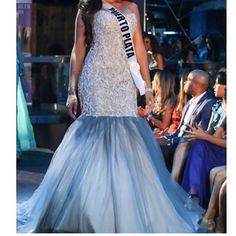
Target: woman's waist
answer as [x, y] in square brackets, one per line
[108, 110]
[107, 48]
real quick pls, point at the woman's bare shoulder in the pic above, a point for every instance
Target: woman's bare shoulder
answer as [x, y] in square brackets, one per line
[132, 6]
[170, 102]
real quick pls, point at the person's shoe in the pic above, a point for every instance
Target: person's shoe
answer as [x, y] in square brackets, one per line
[206, 226]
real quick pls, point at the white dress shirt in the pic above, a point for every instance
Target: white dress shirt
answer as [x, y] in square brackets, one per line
[192, 104]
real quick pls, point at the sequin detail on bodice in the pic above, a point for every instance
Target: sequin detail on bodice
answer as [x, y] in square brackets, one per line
[106, 87]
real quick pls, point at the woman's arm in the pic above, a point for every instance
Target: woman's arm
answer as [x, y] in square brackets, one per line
[141, 55]
[160, 61]
[199, 133]
[220, 132]
[166, 117]
[76, 61]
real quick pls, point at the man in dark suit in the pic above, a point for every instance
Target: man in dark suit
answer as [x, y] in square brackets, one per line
[196, 111]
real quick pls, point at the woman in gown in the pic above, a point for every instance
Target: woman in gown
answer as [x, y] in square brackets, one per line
[24, 131]
[108, 174]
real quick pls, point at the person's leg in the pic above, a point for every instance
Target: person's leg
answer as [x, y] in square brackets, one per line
[196, 172]
[179, 160]
[168, 153]
[214, 175]
[213, 207]
[221, 222]
[201, 158]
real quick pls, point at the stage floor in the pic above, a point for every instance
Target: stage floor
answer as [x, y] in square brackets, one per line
[31, 167]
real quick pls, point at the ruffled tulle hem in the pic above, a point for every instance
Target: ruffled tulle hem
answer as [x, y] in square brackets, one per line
[108, 175]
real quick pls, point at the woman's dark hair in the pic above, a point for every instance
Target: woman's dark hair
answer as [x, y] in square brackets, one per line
[156, 48]
[89, 8]
[221, 77]
[216, 41]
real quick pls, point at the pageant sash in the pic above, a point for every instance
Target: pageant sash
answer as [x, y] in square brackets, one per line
[128, 47]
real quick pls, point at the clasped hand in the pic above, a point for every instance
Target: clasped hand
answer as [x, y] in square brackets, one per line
[144, 112]
[195, 132]
[72, 104]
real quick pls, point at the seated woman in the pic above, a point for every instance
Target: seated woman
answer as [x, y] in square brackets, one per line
[217, 115]
[177, 112]
[160, 117]
[207, 152]
[217, 202]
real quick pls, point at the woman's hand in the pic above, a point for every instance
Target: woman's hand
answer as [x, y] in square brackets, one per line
[196, 132]
[72, 104]
[149, 101]
[141, 111]
[152, 120]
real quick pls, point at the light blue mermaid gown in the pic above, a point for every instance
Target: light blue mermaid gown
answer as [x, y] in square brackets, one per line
[108, 174]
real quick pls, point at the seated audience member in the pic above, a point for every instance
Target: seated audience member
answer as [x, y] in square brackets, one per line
[217, 203]
[196, 111]
[202, 48]
[207, 152]
[156, 60]
[164, 101]
[187, 51]
[216, 47]
[177, 112]
[217, 115]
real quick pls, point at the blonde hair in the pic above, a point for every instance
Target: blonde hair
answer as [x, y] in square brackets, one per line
[163, 86]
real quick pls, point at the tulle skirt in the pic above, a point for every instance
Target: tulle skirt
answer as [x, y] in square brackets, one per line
[108, 175]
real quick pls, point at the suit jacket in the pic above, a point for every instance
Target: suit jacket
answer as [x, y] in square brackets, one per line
[200, 115]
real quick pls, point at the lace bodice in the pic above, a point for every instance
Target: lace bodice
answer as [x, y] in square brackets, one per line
[106, 87]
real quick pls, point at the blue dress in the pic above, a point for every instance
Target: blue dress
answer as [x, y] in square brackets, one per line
[108, 174]
[24, 131]
[201, 158]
